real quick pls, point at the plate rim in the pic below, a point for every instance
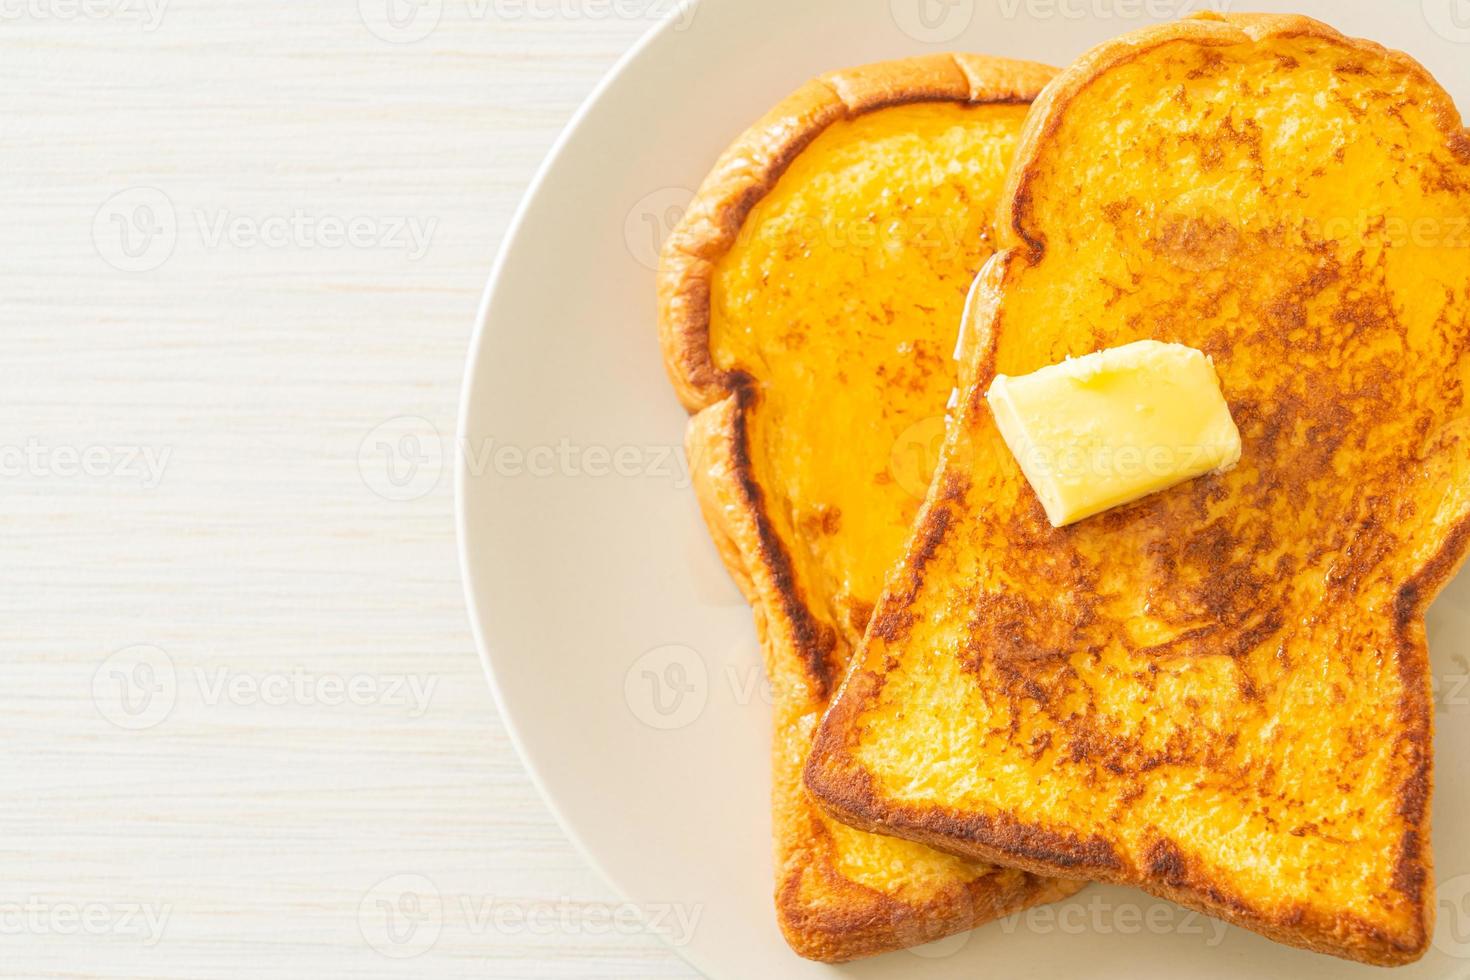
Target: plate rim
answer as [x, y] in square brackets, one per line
[478, 340]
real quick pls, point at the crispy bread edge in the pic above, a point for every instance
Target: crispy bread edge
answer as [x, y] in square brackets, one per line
[750, 168]
[845, 790]
[857, 921]
[730, 498]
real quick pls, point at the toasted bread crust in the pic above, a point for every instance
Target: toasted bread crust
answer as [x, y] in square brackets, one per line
[748, 170]
[1205, 29]
[847, 791]
[824, 915]
[843, 920]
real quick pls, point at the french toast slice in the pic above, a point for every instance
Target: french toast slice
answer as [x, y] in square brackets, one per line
[1218, 693]
[810, 301]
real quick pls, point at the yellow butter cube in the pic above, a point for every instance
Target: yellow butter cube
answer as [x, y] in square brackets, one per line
[1095, 432]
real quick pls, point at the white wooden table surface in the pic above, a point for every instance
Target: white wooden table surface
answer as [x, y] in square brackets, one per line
[239, 700]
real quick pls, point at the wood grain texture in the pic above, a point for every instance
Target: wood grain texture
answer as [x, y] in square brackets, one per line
[193, 459]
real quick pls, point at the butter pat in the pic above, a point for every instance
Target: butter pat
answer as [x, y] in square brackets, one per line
[1095, 432]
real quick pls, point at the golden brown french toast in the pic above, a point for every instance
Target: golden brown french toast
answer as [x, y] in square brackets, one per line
[1219, 692]
[810, 302]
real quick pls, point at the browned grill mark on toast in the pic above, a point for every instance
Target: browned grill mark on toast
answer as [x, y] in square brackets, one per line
[816, 643]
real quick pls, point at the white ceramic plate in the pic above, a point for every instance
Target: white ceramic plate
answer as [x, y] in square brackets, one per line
[622, 657]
